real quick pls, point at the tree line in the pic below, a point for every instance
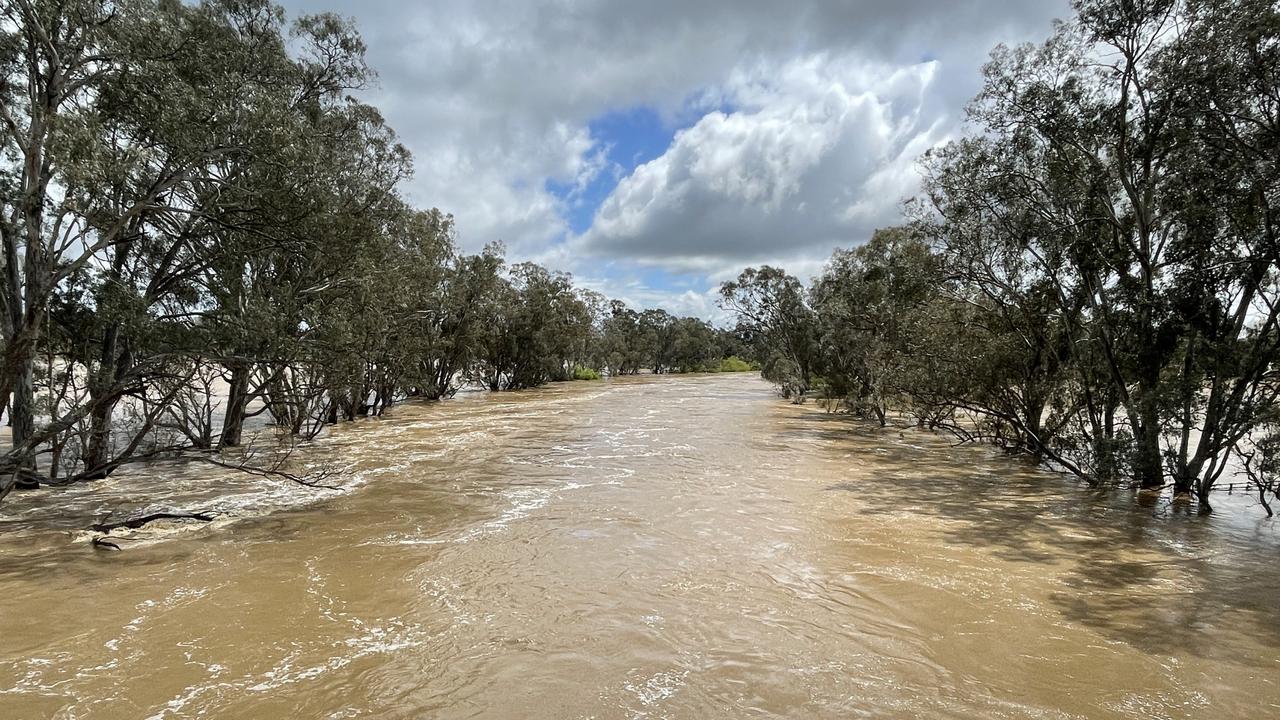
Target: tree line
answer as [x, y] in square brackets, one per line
[200, 224]
[1090, 276]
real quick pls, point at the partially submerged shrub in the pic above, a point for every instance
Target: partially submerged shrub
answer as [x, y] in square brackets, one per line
[735, 364]
[585, 373]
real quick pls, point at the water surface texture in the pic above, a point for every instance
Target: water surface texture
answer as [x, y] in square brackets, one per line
[675, 547]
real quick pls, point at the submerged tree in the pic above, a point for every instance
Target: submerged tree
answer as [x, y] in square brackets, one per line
[1133, 186]
[771, 307]
[868, 304]
[1107, 287]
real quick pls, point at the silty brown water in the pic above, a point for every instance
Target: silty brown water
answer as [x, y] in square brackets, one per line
[675, 547]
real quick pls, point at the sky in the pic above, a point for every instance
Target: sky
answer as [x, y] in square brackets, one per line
[655, 148]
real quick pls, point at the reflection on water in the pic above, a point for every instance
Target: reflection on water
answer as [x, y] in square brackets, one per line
[680, 547]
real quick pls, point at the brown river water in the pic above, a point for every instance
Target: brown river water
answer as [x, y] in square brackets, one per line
[675, 547]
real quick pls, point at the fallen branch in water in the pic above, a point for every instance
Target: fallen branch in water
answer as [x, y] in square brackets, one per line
[311, 481]
[134, 523]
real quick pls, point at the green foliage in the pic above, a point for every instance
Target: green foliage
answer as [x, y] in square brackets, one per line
[868, 304]
[584, 373]
[731, 364]
[655, 340]
[774, 312]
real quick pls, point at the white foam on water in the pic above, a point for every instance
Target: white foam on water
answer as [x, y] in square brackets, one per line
[371, 640]
[656, 688]
[403, 539]
[523, 501]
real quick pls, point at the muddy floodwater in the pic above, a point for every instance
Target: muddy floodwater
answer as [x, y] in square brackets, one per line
[674, 547]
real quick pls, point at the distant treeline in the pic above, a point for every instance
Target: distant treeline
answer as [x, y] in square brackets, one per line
[199, 224]
[1092, 276]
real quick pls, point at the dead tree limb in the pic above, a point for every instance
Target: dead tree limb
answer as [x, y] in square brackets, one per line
[311, 481]
[134, 523]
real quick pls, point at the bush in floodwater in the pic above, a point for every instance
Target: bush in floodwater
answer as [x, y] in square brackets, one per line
[734, 363]
[584, 373]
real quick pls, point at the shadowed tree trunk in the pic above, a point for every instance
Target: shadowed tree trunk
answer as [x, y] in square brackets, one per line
[237, 401]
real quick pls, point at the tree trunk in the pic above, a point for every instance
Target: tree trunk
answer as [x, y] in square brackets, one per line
[237, 400]
[1184, 482]
[1202, 496]
[1147, 467]
[95, 455]
[111, 369]
[22, 406]
[1033, 429]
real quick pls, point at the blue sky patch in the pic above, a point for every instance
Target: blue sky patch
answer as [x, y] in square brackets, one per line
[632, 138]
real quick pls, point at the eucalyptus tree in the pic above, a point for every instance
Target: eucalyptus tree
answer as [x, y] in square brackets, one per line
[171, 167]
[657, 335]
[1020, 368]
[471, 281]
[137, 120]
[695, 346]
[732, 344]
[1225, 259]
[771, 307]
[571, 328]
[533, 328]
[622, 347]
[231, 258]
[433, 329]
[591, 354]
[56, 216]
[867, 302]
[1104, 286]
[199, 224]
[549, 321]
[1125, 170]
[1089, 145]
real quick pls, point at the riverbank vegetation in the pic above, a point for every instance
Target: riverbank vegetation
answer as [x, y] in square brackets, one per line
[1091, 277]
[200, 225]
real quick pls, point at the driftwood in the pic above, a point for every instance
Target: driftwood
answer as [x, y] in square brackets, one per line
[134, 523]
[105, 543]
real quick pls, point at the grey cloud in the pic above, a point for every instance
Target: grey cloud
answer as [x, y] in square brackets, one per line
[494, 96]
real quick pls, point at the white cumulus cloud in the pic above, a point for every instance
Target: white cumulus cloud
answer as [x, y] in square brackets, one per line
[813, 154]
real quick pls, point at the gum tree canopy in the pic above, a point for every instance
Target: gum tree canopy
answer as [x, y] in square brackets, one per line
[199, 224]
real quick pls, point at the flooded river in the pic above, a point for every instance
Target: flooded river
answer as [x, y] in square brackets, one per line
[675, 547]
